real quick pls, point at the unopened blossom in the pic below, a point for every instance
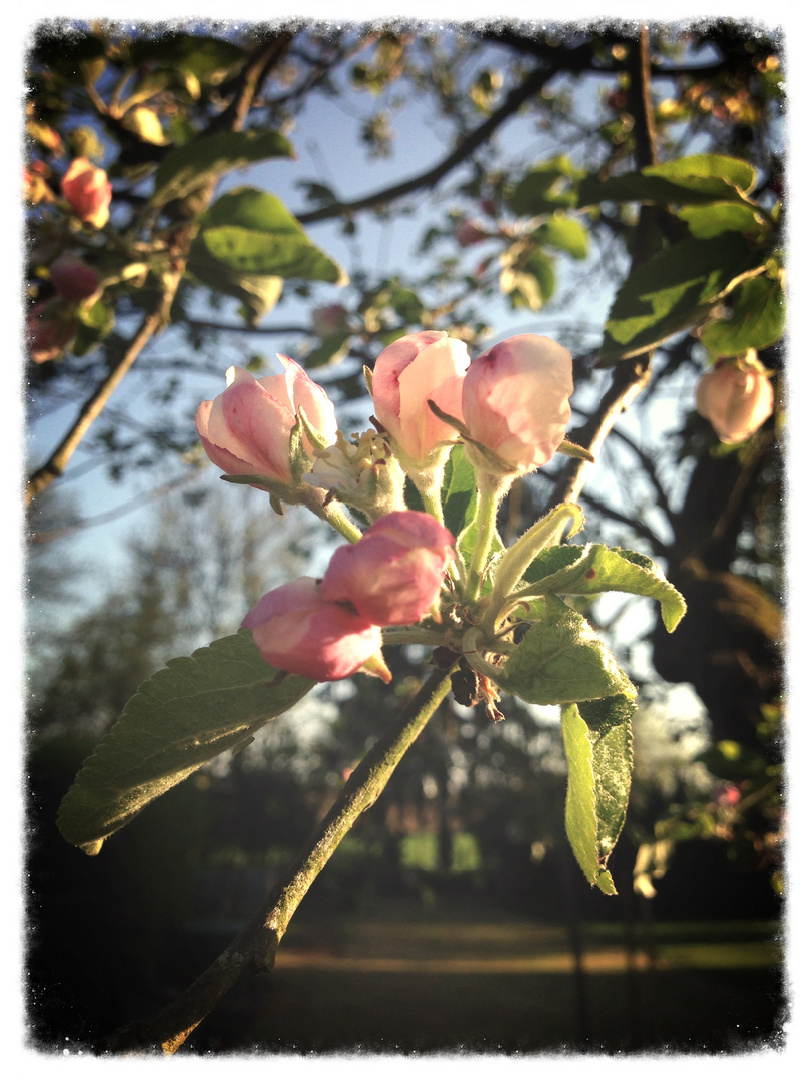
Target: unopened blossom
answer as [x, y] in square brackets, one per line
[469, 233]
[48, 332]
[298, 631]
[246, 429]
[736, 397]
[393, 575]
[515, 400]
[72, 278]
[88, 191]
[410, 371]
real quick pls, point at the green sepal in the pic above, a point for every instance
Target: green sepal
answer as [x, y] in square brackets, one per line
[573, 450]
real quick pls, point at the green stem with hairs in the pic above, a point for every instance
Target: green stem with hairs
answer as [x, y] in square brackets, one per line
[491, 488]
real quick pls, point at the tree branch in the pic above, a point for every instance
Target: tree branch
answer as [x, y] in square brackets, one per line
[254, 948]
[630, 377]
[514, 99]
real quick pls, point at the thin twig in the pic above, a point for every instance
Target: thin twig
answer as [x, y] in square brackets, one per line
[254, 948]
[531, 85]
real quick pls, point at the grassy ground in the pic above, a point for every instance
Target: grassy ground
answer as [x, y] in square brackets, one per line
[407, 979]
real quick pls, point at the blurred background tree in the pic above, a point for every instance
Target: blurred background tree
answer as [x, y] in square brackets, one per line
[321, 191]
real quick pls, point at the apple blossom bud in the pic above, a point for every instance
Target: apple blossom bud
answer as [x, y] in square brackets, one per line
[298, 631]
[469, 233]
[48, 336]
[408, 372]
[736, 397]
[246, 429]
[515, 402]
[393, 575]
[72, 278]
[88, 191]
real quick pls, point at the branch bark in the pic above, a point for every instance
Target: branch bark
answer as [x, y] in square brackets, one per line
[630, 377]
[531, 85]
[254, 948]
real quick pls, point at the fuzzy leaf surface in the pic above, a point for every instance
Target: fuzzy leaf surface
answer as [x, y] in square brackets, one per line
[179, 719]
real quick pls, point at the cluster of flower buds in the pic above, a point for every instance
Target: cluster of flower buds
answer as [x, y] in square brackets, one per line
[736, 397]
[328, 629]
[509, 406]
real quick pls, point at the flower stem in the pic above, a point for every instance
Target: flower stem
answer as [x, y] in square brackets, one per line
[491, 489]
[333, 514]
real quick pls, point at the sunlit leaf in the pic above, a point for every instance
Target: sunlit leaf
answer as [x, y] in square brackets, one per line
[675, 290]
[189, 167]
[598, 743]
[570, 570]
[758, 319]
[561, 659]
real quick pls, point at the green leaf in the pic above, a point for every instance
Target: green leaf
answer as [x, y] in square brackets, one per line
[758, 319]
[720, 168]
[545, 188]
[561, 659]
[189, 167]
[565, 234]
[570, 570]
[694, 180]
[706, 222]
[258, 294]
[674, 290]
[598, 742]
[208, 58]
[458, 491]
[252, 232]
[181, 718]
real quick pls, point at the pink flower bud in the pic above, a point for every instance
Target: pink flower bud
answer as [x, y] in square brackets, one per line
[47, 337]
[408, 372]
[88, 191]
[469, 233]
[515, 399]
[246, 429]
[736, 397]
[296, 630]
[393, 575]
[72, 278]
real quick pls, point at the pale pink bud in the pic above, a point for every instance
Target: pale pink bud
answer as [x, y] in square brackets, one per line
[393, 575]
[246, 429]
[736, 397]
[328, 320]
[47, 337]
[72, 278]
[408, 372]
[298, 631]
[88, 191]
[515, 400]
[469, 233]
